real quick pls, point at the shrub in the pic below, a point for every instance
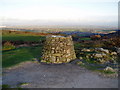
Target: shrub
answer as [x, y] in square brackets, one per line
[8, 46]
[112, 42]
[95, 37]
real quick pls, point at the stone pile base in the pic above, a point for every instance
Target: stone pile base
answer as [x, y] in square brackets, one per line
[58, 49]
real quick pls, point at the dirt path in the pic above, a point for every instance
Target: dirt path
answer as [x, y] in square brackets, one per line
[56, 76]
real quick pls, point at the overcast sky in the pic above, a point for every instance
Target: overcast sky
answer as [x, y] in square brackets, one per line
[75, 11]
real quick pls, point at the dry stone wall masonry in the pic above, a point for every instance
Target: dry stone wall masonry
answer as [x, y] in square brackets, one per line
[58, 49]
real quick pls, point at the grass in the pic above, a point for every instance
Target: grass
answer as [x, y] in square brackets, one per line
[85, 38]
[91, 67]
[96, 68]
[16, 56]
[77, 45]
[8, 87]
[106, 72]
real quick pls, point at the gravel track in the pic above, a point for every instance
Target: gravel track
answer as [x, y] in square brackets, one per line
[56, 76]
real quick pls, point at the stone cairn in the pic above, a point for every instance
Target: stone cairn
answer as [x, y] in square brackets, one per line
[58, 49]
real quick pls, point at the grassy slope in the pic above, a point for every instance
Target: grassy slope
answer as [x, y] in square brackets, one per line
[18, 55]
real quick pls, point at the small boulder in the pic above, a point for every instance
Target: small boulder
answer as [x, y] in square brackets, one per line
[86, 50]
[80, 57]
[113, 53]
[103, 50]
[109, 69]
[98, 55]
[118, 50]
[79, 63]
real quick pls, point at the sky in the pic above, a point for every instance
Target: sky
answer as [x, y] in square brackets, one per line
[96, 12]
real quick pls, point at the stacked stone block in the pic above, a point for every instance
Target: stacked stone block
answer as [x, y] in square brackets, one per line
[58, 49]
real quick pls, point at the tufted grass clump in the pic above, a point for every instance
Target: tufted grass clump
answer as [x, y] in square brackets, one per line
[5, 86]
[23, 83]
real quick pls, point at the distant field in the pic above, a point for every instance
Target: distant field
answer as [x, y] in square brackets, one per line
[21, 36]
